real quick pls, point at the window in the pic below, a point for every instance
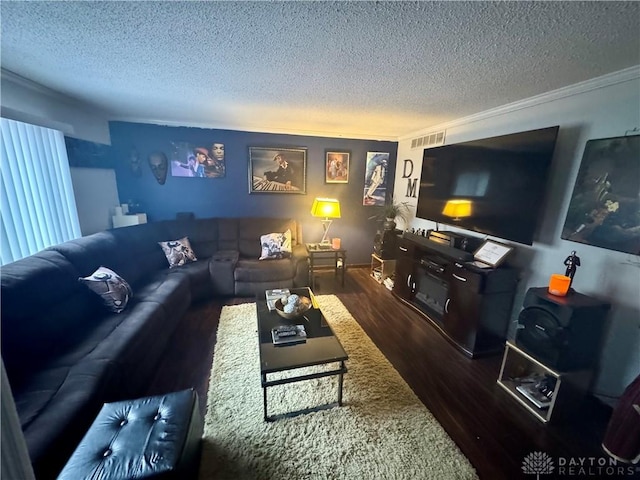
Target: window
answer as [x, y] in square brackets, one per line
[36, 195]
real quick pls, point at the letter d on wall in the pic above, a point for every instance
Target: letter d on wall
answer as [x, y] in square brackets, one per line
[407, 163]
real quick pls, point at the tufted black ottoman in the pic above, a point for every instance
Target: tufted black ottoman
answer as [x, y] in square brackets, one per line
[152, 437]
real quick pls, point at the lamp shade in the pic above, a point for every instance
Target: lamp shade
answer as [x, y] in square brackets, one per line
[457, 208]
[326, 208]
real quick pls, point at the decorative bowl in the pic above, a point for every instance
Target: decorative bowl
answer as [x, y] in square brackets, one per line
[303, 306]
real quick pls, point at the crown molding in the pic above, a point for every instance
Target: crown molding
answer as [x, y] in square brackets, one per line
[621, 76]
[18, 116]
[8, 75]
[20, 81]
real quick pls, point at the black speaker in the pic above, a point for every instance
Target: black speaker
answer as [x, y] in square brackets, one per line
[564, 333]
[385, 244]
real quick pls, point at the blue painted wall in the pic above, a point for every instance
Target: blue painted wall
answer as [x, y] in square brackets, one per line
[229, 196]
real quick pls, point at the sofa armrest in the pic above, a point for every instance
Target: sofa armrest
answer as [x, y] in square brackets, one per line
[299, 252]
[300, 258]
[221, 267]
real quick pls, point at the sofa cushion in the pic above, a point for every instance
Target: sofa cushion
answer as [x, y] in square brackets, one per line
[86, 338]
[114, 339]
[248, 270]
[61, 413]
[275, 245]
[114, 290]
[44, 310]
[178, 252]
[202, 233]
[133, 251]
[199, 278]
[171, 291]
[138, 252]
[251, 229]
[86, 254]
[135, 345]
[228, 231]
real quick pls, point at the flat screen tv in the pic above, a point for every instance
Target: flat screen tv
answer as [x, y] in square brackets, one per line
[494, 186]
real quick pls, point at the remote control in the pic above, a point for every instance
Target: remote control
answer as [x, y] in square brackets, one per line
[286, 329]
[287, 333]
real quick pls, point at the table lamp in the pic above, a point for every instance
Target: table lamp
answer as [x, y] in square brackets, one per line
[457, 209]
[328, 208]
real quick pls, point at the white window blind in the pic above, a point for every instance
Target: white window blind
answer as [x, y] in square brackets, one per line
[37, 203]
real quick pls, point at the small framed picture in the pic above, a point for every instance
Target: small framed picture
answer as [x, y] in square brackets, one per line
[336, 166]
[277, 170]
[492, 253]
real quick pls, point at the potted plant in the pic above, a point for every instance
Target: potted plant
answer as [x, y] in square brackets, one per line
[390, 212]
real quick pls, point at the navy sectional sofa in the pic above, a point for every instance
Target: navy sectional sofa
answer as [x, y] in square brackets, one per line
[66, 354]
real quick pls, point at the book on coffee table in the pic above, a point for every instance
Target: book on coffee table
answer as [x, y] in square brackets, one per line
[275, 294]
[288, 334]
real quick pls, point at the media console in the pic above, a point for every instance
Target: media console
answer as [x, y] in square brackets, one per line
[470, 306]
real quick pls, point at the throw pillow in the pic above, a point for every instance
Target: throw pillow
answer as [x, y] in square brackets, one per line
[112, 288]
[178, 252]
[275, 245]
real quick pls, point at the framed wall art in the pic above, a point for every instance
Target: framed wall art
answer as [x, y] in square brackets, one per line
[277, 170]
[336, 166]
[605, 206]
[201, 161]
[85, 154]
[375, 179]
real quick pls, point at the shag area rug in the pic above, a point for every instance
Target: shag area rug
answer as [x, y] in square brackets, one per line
[382, 431]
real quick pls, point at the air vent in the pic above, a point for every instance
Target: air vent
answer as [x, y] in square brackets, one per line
[431, 140]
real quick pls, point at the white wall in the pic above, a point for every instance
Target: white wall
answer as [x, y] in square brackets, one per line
[605, 107]
[96, 196]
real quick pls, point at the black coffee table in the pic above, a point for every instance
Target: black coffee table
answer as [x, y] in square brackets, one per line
[321, 347]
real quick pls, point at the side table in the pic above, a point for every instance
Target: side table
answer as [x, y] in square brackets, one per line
[381, 268]
[335, 258]
[566, 394]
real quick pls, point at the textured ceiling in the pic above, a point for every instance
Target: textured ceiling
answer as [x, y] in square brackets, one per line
[353, 69]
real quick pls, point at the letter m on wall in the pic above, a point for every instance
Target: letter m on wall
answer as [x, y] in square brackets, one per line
[412, 184]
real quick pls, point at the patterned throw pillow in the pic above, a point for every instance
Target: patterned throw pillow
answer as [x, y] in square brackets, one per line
[112, 288]
[178, 252]
[276, 245]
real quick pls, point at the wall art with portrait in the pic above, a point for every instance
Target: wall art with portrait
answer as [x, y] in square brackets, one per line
[375, 179]
[277, 170]
[605, 206]
[204, 161]
[336, 166]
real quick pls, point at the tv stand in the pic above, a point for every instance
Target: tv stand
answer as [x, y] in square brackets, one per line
[470, 306]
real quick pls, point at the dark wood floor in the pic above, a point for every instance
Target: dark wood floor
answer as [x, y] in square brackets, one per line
[492, 430]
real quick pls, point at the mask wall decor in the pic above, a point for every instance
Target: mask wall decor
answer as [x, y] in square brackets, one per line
[159, 166]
